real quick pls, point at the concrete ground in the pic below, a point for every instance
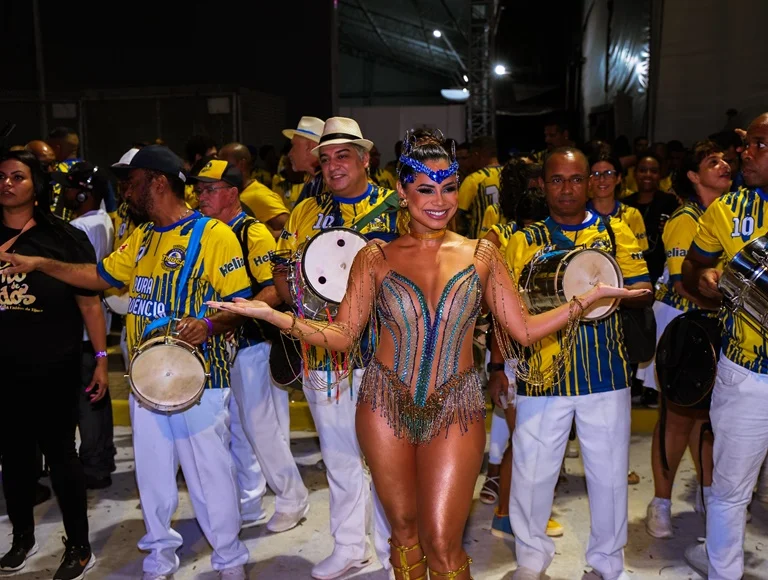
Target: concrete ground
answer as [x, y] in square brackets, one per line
[116, 527]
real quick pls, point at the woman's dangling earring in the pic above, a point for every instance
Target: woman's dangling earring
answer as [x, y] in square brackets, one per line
[403, 202]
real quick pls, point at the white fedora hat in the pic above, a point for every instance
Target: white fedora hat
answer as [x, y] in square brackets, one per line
[340, 130]
[309, 127]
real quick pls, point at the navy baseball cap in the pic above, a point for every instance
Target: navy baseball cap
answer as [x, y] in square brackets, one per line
[153, 157]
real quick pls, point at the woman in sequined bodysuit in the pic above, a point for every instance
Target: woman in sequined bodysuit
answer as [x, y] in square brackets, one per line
[423, 292]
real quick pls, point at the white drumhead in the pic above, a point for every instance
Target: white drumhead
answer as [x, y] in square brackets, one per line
[167, 374]
[118, 303]
[585, 269]
[327, 260]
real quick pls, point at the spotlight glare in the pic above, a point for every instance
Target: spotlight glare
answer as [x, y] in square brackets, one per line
[500, 69]
[466, 78]
[436, 33]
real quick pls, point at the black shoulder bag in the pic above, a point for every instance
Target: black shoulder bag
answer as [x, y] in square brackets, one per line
[639, 323]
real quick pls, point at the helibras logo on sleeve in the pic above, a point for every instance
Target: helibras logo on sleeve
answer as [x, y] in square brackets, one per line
[232, 265]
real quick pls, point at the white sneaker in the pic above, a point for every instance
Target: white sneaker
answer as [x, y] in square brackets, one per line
[337, 565]
[282, 522]
[252, 522]
[658, 522]
[150, 576]
[696, 557]
[233, 573]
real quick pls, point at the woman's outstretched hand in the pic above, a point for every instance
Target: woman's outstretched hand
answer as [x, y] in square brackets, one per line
[243, 307]
[605, 291]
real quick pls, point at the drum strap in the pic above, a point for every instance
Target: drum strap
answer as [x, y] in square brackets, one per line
[389, 204]
[193, 246]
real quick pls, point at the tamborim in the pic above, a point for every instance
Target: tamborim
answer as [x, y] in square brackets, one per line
[319, 272]
[553, 277]
[744, 284]
[167, 374]
[686, 359]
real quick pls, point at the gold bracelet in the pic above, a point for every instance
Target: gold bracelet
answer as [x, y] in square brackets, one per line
[580, 305]
[289, 331]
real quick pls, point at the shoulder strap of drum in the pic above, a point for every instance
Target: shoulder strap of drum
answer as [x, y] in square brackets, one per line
[193, 251]
[607, 223]
[389, 204]
[243, 238]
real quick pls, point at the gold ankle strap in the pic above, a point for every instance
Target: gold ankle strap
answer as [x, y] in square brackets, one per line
[453, 573]
[405, 568]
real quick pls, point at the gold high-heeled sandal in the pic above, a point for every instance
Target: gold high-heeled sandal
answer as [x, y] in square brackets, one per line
[453, 573]
[405, 568]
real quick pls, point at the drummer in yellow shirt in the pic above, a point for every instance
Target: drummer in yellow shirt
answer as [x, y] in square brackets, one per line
[266, 205]
[480, 189]
[593, 389]
[344, 158]
[739, 411]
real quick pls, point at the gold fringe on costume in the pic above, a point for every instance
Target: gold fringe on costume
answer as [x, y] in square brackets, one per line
[459, 400]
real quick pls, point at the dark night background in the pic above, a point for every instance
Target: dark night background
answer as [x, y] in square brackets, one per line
[283, 48]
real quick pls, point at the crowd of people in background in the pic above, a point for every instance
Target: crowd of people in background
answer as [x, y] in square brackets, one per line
[643, 202]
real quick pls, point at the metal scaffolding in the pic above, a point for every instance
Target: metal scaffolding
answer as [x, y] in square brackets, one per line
[481, 107]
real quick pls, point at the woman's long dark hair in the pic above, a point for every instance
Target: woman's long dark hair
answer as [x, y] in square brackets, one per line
[41, 185]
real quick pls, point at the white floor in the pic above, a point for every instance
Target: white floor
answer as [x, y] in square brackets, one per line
[116, 526]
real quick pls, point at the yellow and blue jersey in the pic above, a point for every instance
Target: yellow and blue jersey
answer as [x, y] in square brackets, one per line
[290, 192]
[150, 262]
[264, 203]
[479, 190]
[679, 232]
[630, 216]
[383, 178]
[729, 224]
[258, 244]
[598, 360]
[325, 211]
[494, 221]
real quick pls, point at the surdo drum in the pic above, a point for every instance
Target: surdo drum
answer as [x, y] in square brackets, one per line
[167, 374]
[319, 271]
[553, 277]
[744, 284]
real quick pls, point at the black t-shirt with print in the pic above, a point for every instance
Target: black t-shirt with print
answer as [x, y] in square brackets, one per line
[655, 215]
[39, 317]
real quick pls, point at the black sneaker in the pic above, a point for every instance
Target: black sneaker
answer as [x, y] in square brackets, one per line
[22, 548]
[75, 562]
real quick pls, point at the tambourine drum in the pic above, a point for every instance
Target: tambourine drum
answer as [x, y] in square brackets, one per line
[117, 303]
[744, 284]
[167, 374]
[554, 277]
[686, 359]
[319, 272]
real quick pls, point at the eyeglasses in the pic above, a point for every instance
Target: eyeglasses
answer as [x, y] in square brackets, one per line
[608, 173]
[208, 190]
[576, 181]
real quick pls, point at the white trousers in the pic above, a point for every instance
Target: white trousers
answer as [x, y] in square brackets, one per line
[198, 440]
[349, 485]
[257, 400]
[250, 479]
[739, 416]
[499, 438]
[538, 443]
[664, 314]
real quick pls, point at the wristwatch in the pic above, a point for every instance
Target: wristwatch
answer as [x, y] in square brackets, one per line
[492, 367]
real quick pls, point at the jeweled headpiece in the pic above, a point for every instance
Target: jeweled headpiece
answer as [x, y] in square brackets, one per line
[412, 141]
